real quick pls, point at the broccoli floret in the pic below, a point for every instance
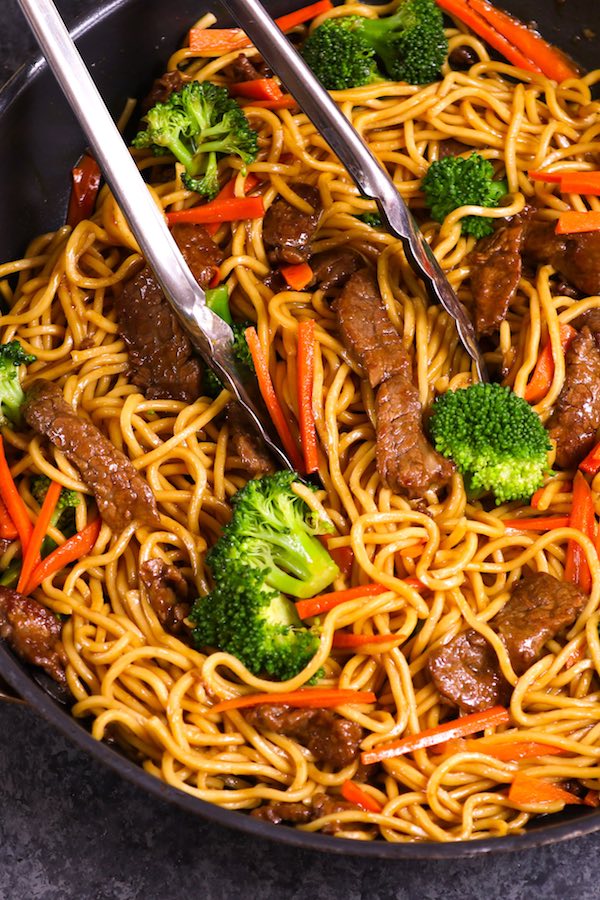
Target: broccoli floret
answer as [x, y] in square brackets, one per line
[410, 45]
[339, 56]
[463, 181]
[372, 219]
[12, 396]
[67, 501]
[269, 549]
[496, 440]
[198, 124]
[217, 299]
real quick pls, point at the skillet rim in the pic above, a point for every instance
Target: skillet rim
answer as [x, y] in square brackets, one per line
[556, 830]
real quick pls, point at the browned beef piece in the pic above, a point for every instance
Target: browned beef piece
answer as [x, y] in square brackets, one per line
[495, 274]
[162, 89]
[575, 256]
[333, 268]
[590, 319]
[33, 632]
[329, 738]
[540, 608]
[243, 69]
[161, 357]
[451, 147]
[288, 232]
[300, 813]
[168, 594]
[405, 459]
[121, 493]
[576, 416]
[247, 444]
[466, 670]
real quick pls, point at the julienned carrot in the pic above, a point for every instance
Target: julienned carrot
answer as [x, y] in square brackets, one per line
[355, 794]
[8, 532]
[567, 487]
[304, 698]
[549, 177]
[343, 640]
[261, 366]
[314, 606]
[514, 750]
[305, 371]
[257, 89]
[489, 718]
[573, 222]
[539, 523]
[73, 549]
[32, 556]
[228, 191]
[231, 209]
[13, 501]
[581, 183]
[297, 276]
[85, 177]
[477, 23]
[543, 372]
[286, 101]
[583, 518]
[591, 463]
[528, 791]
[215, 41]
[547, 58]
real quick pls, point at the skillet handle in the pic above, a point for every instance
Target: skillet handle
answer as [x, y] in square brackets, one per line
[7, 695]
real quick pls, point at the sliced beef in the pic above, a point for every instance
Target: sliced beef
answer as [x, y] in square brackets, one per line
[333, 268]
[243, 69]
[162, 89]
[121, 493]
[495, 275]
[575, 256]
[168, 594]
[161, 357]
[405, 459]
[576, 416]
[300, 813]
[466, 670]
[328, 737]
[451, 147]
[287, 231]
[247, 444]
[589, 319]
[33, 632]
[540, 608]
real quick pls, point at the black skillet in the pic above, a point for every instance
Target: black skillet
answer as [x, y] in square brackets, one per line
[127, 43]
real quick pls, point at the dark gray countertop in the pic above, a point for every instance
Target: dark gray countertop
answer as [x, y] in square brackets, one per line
[72, 830]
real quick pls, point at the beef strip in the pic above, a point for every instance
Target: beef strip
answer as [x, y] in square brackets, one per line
[318, 806]
[590, 319]
[328, 737]
[495, 275]
[33, 632]
[162, 89]
[576, 416]
[451, 147]
[121, 493]
[333, 268]
[168, 594]
[575, 256]
[466, 670]
[161, 357]
[405, 459]
[247, 444]
[288, 232]
[243, 69]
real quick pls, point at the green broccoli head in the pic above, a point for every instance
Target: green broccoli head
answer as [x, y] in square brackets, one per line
[68, 501]
[217, 299]
[339, 56]
[496, 440]
[257, 625]
[198, 124]
[12, 396]
[372, 219]
[463, 181]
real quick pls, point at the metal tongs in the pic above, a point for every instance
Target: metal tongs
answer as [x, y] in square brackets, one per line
[211, 337]
[367, 173]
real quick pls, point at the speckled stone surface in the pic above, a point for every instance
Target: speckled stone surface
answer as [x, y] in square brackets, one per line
[71, 830]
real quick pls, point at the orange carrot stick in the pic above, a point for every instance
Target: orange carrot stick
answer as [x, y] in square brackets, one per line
[32, 556]
[581, 183]
[515, 750]
[314, 606]
[309, 698]
[285, 102]
[305, 370]
[298, 276]
[228, 191]
[261, 366]
[540, 523]
[8, 531]
[549, 177]
[528, 791]
[489, 718]
[231, 209]
[257, 89]
[543, 372]
[13, 501]
[567, 487]
[355, 794]
[342, 639]
[591, 463]
[573, 222]
[583, 518]
[77, 546]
